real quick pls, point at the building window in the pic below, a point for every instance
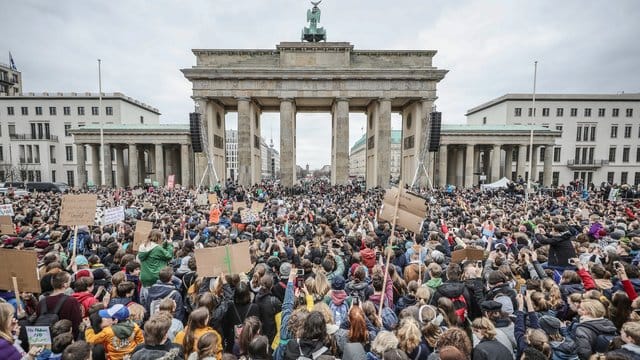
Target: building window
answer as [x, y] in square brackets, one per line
[593, 133]
[586, 133]
[24, 110]
[574, 112]
[484, 120]
[587, 112]
[52, 110]
[636, 180]
[627, 131]
[559, 127]
[94, 110]
[601, 112]
[53, 176]
[518, 112]
[638, 154]
[109, 111]
[623, 177]
[70, 178]
[614, 131]
[610, 177]
[69, 152]
[38, 110]
[141, 119]
[556, 154]
[12, 129]
[80, 110]
[579, 133]
[10, 110]
[559, 112]
[615, 112]
[629, 112]
[67, 127]
[1, 154]
[541, 157]
[555, 179]
[545, 111]
[612, 154]
[66, 110]
[38, 175]
[625, 154]
[531, 112]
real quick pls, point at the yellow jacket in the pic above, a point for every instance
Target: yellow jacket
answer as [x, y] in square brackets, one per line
[198, 333]
[117, 346]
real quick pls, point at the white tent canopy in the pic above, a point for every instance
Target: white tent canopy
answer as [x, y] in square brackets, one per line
[502, 183]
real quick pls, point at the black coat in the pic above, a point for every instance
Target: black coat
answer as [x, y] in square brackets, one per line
[586, 333]
[491, 350]
[269, 306]
[560, 248]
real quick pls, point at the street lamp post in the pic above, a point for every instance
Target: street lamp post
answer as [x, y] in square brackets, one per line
[532, 124]
[102, 177]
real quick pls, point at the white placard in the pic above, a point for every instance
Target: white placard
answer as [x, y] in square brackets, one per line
[38, 335]
[113, 215]
[6, 209]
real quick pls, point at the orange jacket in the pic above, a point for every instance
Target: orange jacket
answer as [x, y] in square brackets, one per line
[214, 215]
[198, 333]
[117, 347]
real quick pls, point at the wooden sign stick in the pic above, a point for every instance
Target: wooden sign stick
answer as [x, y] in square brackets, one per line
[17, 293]
[390, 245]
[75, 242]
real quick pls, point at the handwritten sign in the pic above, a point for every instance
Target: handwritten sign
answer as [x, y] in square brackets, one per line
[412, 209]
[78, 209]
[171, 181]
[143, 229]
[249, 216]
[6, 225]
[38, 335]
[257, 206]
[201, 200]
[459, 256]
[113, 215]
[6, 209]
[230, 259]
[23, 265]
[138, 192]
[239, 204]
[213, 199]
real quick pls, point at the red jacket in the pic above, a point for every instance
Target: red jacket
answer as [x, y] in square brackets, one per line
[86, 299]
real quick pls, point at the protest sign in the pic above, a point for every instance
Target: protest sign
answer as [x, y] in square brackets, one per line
[147, 205]
[405, 219]
[171, 181]
[257, 206]
[38, 335]
[239, 204]
[113, 215]
[201, 200]
[138, 192]
[412, 209]
[78, 209]
[213, 199]
[6, 209]
[143, 229]
[6, 225]
[249, 216]
[467, 254]
[22, 265]
[230, 259]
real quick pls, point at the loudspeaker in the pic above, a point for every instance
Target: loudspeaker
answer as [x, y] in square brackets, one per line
[196, 135]
[434, 134]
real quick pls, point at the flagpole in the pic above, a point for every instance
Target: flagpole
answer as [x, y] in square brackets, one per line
[533, 120]
[102, 178]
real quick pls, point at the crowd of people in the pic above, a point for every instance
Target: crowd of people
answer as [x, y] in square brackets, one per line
[329, 279]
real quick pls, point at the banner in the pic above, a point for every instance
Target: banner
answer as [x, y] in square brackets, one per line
[113, 215]
[171, 181]
[6, 209]
[249, 216]
[230, 259]
[141, 234]
[6, 225]
[459, 256]
[78, 209]
[22, 264]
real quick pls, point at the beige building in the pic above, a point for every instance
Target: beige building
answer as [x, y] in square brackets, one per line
[10, 81]
[357, 156]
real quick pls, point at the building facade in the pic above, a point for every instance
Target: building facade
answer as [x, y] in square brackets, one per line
[600, 134]
[36, 143]
[10, 81]
[357, 156]
[270, 158]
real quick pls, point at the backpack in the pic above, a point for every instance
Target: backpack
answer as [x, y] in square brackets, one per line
[339, 312]
[460, 306]
[314, 355]
[237, 329]
[47, 318]
[154, 307]
[358, 293]
[601, 345]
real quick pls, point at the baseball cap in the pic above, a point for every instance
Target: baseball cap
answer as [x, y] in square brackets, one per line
[117, 311]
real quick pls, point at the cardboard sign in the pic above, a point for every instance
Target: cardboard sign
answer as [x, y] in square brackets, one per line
[257, 206]
[143, 229]
[239, 204]
[213, 199]
[171, 181]
[148, 205]
[38, 335]
[6, 209]
[78, 209]
[113, 215]
[230, 259]
[412, 209]
[405, 219]
[249, 216]
[459, 256]
[23, 265]
[6, 225]
[201, 200]
[408, 201]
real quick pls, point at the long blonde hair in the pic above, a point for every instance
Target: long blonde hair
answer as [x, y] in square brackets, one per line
[409, 335]
[6, 313]
[485, 327]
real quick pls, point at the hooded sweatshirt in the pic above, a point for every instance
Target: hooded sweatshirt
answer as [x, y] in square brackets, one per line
[153, 258]
[86, 299]
[118, 340]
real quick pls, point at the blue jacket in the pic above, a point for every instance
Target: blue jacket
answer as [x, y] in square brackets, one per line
[161, 290]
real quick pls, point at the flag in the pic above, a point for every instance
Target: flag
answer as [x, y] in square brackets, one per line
[11, 63]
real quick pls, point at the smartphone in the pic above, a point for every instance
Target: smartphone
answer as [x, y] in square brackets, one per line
[300, 272]
[617, 265]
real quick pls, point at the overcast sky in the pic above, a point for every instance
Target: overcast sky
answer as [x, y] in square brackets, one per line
[488, 47]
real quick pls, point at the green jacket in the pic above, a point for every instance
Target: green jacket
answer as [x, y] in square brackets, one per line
[153, 258]
[434, 283]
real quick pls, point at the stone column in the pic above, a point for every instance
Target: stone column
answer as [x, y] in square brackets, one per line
[522, 159]
[95, 164]
[460, 167]
[469, 166]
[548, 165]
[442, 166]
[152, 162]
[508, 161]
[245, 142]
[120, 175]
[185, 162]
[476, 164]
[534, 163]
[340, 155]
[383, 144]
[142, 164]
[133, 165]
[81, 156]
[159, 164]
[495, 163]
[108, 166]
[287, 142]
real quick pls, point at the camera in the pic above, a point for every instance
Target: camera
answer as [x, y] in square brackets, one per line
[300, 278]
